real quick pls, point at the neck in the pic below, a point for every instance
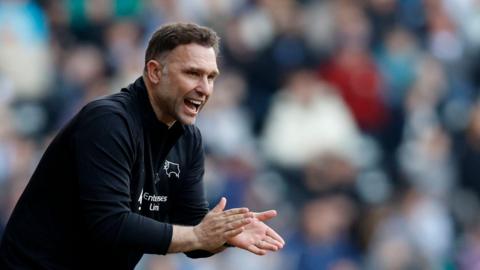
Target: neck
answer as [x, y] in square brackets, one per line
[156, 108]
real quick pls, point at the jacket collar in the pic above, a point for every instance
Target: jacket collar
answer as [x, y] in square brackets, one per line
[150, 120]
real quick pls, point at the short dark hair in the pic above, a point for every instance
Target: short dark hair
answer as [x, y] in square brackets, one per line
[169, 36]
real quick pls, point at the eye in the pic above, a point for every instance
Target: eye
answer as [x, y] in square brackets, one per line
[212, 76]
[193, 73]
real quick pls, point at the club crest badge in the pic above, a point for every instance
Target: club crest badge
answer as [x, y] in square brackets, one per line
[171, 169]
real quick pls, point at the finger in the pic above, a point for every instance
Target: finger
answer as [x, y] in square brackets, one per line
[221, 223]
[264, 216]
[275, 235]
[236, 217]
[235, 211]
[264, 245]
[272, 241]
[238, 223]
[227, 216]
[256, 250]
[220, 206]
[233, 233]
[234, 223]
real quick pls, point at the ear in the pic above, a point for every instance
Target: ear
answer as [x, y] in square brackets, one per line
[154, 71]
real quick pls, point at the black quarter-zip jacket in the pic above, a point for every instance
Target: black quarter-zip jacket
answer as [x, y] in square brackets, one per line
[107, 189]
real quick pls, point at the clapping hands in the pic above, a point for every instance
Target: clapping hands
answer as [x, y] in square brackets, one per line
[257, 237]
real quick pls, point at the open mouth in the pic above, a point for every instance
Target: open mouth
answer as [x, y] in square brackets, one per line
[193, 105]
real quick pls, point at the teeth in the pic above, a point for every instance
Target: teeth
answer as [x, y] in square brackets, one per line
[196, 102]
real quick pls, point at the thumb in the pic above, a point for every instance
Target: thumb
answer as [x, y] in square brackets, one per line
[220, 206]
[264, 216]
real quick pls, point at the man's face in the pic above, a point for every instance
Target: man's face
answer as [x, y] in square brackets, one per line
[185, 83]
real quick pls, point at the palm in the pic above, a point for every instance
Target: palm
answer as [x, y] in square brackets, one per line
[254, 232]
[257, 237]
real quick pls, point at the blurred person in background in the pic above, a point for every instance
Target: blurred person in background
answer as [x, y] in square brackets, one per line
[397, 60]
[124, 177]
[353, 71]
[25, 61]
[25, 54]
[469, 247]
[469, 157]
[323, 241]
[307, 119]
[415, 232]
[266, 43]
[425, 153]
[307, 123]
[17, 156]
[82, 78]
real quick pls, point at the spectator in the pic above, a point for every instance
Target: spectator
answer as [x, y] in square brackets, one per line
[307, 119]
[324, 241]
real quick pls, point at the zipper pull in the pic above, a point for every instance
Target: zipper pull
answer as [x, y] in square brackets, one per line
[157, 178]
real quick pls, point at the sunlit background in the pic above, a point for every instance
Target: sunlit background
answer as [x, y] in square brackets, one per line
[357, 120]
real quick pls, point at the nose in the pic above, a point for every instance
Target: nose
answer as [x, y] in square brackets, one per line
[205, 86]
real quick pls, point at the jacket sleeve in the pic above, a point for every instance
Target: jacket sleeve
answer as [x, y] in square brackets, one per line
[190, 204]
[104, 151]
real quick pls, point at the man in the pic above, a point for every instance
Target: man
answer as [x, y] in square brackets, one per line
[124, 177]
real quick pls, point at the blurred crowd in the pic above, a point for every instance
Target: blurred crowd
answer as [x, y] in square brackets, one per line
[358, 120]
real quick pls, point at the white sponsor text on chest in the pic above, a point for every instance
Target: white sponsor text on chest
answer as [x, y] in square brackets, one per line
[154, 198]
